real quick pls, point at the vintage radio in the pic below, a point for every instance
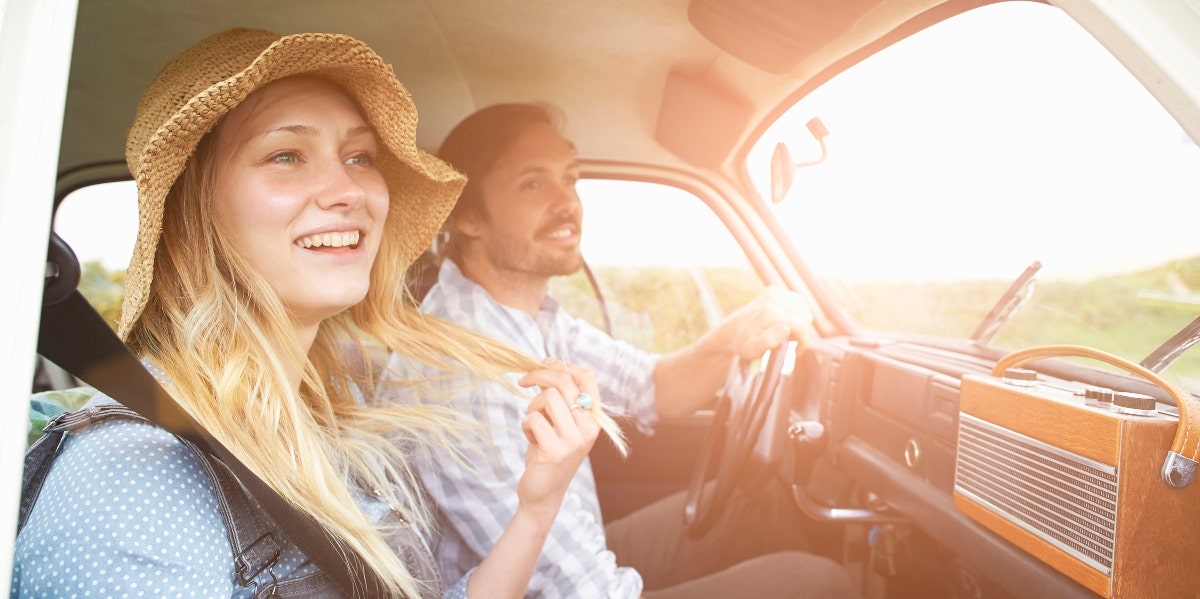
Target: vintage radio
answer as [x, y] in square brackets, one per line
[1093, 482]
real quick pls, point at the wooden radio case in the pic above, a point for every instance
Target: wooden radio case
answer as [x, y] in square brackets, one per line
[1080, 485]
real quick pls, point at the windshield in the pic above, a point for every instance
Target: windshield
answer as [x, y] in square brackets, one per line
[965, 154]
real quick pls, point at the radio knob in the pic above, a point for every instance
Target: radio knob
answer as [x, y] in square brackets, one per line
[1137, 404]
[1098, 397]
[1020, 377]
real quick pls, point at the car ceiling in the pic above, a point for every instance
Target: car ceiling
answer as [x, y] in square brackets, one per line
[614, 66]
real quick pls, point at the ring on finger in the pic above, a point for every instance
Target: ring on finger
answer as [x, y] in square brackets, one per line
[583, 402]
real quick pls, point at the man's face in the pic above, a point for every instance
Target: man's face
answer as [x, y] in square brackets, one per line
[531, 216]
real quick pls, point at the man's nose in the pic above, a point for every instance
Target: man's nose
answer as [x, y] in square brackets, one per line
[566, 200]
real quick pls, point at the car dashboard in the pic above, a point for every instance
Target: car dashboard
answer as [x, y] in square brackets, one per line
[993, 484]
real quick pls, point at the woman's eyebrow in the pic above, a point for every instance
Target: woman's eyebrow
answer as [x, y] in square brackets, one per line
[360, 130]
[310, 131]
[305, 130]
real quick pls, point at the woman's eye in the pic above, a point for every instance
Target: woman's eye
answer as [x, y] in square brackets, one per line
[361, 159]
[532, 185]
[285, 157]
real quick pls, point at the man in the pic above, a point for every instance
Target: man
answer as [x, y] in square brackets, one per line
[516, 225]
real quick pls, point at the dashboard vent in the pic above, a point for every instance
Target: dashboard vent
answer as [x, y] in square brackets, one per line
[1065, 499]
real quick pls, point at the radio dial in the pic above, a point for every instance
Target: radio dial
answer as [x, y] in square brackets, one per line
[1098, 397]
[1020, 377]
[1137, 404]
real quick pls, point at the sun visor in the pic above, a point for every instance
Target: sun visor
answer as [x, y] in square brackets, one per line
[700, 120]
[775, 35]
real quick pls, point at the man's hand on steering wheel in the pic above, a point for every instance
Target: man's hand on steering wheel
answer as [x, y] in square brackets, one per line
[772, 317]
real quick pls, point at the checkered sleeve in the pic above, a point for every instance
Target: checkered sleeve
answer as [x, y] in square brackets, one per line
[477, 502]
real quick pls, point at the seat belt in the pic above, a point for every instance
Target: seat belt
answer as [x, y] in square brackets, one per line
[76, 338]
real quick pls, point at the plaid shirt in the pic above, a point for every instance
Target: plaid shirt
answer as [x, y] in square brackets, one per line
[476, 504]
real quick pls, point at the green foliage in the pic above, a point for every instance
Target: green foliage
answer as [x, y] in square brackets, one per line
[48, 404]
[105, 290]
[662, 309]
[659, 308]
[1129, 315]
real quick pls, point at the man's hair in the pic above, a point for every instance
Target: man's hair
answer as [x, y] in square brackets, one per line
[474, 145]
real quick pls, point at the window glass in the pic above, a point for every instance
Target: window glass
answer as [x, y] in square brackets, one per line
[958, 157]
[99, 222]
[667, 275]
[667, 268]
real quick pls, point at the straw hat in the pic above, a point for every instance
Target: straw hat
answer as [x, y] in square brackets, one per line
[203, 83]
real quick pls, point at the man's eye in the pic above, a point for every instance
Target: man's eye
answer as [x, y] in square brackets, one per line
[532, 185]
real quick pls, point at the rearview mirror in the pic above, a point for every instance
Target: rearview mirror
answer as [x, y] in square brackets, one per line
[783, 168]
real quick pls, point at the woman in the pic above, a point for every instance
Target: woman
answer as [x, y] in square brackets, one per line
[281, 197]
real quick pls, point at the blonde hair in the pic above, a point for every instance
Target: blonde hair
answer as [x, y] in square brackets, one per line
[224, 338]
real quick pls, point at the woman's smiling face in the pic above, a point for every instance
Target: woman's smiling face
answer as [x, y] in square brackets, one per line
[297, 191]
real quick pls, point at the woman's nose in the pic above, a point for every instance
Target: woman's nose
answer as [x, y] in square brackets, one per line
[341, 188]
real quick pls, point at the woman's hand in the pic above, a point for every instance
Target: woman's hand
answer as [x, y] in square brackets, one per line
[560, 436]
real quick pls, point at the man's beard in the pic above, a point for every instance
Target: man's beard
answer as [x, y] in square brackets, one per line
[531, 258]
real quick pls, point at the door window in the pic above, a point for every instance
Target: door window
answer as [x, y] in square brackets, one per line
[667, 268]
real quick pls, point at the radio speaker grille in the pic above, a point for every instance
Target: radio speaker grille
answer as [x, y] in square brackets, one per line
[1065, 499]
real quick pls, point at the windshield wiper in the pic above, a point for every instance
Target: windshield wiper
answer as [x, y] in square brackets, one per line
[1017, 294]
[1173, 348]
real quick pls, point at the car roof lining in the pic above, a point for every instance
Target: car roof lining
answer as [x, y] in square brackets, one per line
[456, 56]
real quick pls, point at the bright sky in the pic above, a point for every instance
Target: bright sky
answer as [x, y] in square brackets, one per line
[100, 223]
[970, 138]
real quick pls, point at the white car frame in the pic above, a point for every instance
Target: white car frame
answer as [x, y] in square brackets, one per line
[1157, 40]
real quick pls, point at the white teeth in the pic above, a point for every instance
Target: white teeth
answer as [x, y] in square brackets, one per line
[336, 240]
[560, 234]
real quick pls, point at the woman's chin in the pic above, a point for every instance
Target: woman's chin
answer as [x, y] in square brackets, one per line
[315, 312]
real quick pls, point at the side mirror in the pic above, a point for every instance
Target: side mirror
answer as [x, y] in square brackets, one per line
[783, 167]
[783, 170]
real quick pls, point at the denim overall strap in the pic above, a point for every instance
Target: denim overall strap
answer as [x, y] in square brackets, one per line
[254, 546]
[37, 464]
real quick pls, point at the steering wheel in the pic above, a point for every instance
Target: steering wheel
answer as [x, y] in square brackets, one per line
[731, 438]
